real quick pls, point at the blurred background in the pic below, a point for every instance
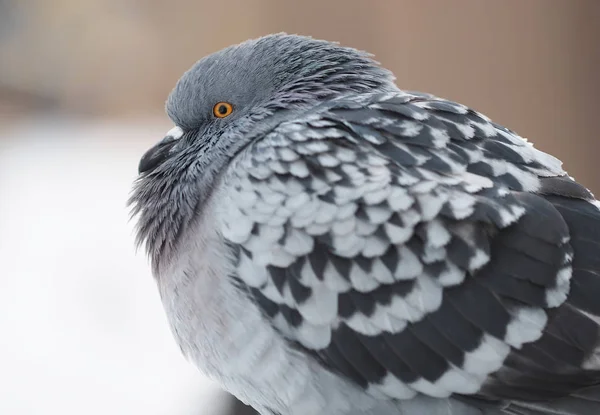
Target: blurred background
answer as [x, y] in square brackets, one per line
[82, 90]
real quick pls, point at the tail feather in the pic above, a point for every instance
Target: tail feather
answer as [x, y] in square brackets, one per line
[577, 321]
[584, 402]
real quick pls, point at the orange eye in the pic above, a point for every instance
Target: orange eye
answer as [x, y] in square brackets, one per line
[222, 109]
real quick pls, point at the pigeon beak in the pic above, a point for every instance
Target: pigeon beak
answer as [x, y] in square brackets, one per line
[159, 153]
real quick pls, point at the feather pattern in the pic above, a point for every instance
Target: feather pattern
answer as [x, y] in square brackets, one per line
[413, 246]
[337, 246]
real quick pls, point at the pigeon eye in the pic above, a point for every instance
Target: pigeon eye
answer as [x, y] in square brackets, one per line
[222, 109]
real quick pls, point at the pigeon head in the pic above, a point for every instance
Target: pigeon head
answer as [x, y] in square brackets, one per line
[277, 72]
[225, 101]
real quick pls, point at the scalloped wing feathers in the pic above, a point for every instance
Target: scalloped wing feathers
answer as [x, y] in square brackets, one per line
[411, 245]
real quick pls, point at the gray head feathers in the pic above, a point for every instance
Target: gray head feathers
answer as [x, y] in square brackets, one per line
[266, 80]
[280, 71]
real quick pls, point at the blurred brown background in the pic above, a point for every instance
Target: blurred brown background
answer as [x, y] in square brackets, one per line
[532, 65]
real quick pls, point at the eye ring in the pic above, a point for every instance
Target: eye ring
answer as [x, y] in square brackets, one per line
[222, 109]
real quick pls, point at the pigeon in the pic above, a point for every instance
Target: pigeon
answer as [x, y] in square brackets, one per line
[324, 242]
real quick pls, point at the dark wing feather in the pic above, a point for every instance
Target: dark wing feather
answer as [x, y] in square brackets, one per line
[565, 362]
[412, 245]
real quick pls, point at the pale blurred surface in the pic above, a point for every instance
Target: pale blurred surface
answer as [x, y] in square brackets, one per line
[82, 89]
[83, 331]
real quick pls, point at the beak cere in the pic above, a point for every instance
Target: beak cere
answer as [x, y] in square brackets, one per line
[159, 153]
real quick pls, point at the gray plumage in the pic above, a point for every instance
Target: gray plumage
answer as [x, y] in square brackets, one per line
[339, 246]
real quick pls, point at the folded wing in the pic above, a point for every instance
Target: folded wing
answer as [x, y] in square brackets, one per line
[413, 246]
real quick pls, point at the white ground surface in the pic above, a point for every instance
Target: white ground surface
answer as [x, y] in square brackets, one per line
[82, 330]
